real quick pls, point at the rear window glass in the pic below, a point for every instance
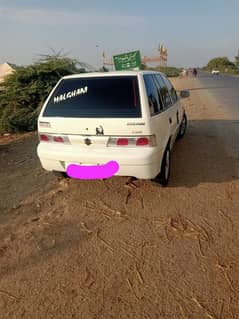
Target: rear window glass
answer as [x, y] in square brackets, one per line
[95, 97]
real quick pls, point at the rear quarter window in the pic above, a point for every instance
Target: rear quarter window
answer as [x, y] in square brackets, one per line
[108, 97]
[154, 99]
[171, 89]
[164, 92]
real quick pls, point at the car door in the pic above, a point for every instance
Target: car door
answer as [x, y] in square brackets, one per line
[170, 114]
[176, 110]
[171, 104]
[158, 118]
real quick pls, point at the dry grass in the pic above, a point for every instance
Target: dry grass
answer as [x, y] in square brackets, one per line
[203, 308]
[139, 275]
[7, 294]
[182, 227]
[131, 288]
[226, 217]
[104, 242]
[84, 228]
[104, 209]
[182, 310]
[223, 269]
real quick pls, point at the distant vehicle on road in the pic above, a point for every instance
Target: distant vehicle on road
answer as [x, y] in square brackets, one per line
[215, 71]
[184, 72]
[130, 118]
[195, 72]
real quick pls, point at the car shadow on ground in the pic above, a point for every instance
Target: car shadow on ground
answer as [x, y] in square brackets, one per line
[206, 154]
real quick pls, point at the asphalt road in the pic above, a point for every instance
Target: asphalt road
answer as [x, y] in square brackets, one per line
[225, 89]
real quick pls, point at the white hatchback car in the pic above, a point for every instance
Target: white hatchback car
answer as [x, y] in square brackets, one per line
[129, 118]
[214, 71]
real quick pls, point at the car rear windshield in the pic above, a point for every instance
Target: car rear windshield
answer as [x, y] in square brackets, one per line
[110, 97]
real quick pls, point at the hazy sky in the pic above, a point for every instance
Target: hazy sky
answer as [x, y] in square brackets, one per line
[193, 31]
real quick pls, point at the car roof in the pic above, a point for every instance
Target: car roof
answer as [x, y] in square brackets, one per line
[109, 74]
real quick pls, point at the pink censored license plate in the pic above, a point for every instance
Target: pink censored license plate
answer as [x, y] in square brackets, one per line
[93, 171]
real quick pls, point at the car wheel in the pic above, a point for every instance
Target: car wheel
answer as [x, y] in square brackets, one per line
[183, 127]
[60, 174]
[163, 176]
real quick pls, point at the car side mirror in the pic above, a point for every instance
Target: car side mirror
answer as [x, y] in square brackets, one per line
[184, 94]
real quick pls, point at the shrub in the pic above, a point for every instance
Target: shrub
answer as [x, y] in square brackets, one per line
[23, 92]
[20, 120]
[167, 70]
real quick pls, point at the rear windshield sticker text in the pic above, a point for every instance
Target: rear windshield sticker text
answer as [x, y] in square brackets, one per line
[70, 95]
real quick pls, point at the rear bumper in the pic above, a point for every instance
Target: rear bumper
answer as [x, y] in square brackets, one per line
[143, 163]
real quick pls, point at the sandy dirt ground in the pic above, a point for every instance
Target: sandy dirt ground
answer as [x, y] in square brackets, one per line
[105, 249]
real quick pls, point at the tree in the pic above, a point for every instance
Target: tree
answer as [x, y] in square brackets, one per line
[237, 59]
[22, 93]
[220, 63]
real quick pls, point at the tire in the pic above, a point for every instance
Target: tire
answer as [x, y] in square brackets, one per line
[60, 174]
[183, 127]
[164, 174]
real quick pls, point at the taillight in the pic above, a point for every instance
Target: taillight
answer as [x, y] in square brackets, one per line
[142, 141]
[44, 138]
[53, 138]
[58, 139]
[132, 141]
[122, 142]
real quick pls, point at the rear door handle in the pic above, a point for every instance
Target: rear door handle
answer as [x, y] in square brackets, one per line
[170, 120]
